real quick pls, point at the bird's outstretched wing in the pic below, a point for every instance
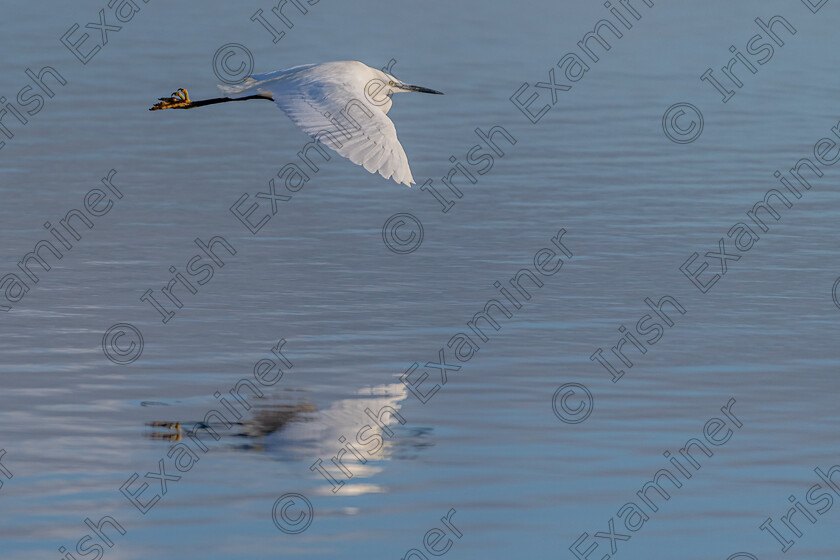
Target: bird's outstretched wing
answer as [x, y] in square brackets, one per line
[328, 102]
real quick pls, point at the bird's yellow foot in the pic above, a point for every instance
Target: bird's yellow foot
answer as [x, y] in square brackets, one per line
[172, 426]
[178, 100]
[169, 425]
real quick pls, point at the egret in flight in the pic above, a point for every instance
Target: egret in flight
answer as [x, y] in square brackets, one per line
[343, 105]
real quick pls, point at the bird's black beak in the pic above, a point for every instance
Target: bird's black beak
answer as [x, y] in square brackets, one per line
[420, 89]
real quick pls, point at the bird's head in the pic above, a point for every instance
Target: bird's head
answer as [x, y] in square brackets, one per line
[383, 84]
[396, 86]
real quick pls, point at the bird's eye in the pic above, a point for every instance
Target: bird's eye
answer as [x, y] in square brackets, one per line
[391, 83]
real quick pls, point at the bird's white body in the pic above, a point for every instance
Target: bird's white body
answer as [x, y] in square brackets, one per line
[344, 105]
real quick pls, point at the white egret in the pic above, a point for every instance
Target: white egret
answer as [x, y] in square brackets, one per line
[343, 105]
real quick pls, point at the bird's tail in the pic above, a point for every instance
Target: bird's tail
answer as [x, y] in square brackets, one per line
[252, 85]
[239, 90]
[257, 84]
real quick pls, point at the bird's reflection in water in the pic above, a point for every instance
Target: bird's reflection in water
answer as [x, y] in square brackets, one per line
[174, 432]
[266, 420]
[367, 425]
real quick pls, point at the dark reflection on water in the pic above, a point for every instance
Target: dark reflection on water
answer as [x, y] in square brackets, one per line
[269, 428]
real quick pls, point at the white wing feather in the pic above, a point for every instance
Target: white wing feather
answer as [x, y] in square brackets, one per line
[308, 93]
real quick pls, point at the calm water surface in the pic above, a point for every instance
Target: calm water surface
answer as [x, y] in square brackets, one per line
[355, 316]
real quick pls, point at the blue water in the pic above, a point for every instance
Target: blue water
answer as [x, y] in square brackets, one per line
[352, 316]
